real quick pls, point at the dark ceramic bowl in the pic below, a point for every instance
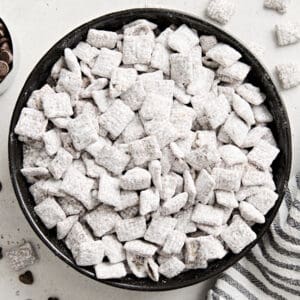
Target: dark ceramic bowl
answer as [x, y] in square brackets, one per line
[163, 18]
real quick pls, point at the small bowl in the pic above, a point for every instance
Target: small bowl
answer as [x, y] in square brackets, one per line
[164, 18]
[7, 81]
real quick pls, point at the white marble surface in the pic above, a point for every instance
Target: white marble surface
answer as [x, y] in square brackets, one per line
[37, 25]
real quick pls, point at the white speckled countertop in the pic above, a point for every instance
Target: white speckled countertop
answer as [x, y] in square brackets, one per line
[37, 25]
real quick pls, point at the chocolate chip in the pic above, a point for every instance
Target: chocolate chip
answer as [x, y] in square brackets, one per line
[53, 298]
[0, 186]
[26, 278]
[4, 68]
[5, 46]
[4, 40]
[5, 55]
[1, 255]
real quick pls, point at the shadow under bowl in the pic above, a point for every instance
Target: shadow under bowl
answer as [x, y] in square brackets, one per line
[164, 18]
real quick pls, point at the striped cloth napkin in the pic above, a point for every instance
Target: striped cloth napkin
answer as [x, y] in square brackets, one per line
[272, 268]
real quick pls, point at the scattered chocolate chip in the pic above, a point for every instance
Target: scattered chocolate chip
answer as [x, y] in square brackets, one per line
[4, 68]
[0, 186]
[26, 278]
[53, 298]
[5, 55]
[1, 254]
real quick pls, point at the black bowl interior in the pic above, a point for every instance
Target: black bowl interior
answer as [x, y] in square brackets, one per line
[163, 18]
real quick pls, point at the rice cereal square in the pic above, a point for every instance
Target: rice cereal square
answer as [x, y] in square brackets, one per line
[82, 131]
[32, 124]
[116, 118]
[238, 235]
[78, 186]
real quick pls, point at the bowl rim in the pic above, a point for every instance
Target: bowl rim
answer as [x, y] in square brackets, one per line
[126, 285]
